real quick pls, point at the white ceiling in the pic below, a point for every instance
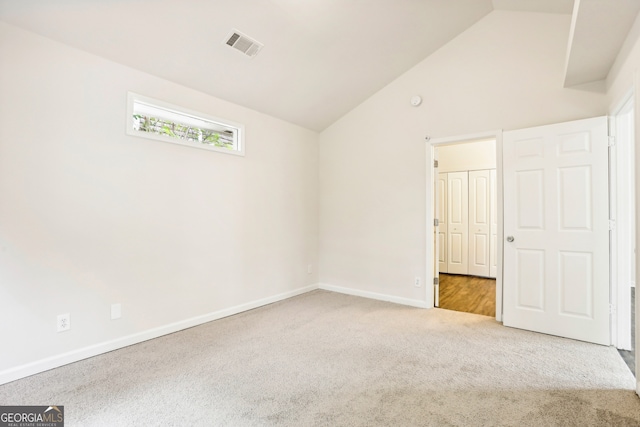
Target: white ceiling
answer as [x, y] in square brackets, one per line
[543, 6]
[598, 30]
[321, 58]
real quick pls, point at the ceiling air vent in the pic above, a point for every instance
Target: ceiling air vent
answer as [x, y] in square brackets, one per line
[244, 44]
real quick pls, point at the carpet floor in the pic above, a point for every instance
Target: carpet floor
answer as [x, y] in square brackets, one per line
[326, 359]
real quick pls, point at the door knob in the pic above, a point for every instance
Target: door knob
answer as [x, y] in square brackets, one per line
[510, 239]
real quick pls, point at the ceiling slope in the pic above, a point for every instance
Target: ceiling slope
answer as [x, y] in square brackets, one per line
[598, 31]
[542, 6]
[320, 59]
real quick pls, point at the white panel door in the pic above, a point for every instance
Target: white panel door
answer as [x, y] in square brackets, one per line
[493, 239]
[442, 218]
[556, 254]
[457, 222]
[479, 222]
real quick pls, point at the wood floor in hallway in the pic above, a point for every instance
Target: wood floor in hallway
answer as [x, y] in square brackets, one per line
[468, 293]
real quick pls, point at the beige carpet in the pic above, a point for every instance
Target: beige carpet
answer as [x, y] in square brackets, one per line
[326, 359]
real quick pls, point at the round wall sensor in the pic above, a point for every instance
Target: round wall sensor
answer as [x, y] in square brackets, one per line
[416, 100]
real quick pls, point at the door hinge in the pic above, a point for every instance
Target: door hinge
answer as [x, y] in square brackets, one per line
[436, 222]
[612, 224]
[612, 140]
[435, 163]
[436, 281]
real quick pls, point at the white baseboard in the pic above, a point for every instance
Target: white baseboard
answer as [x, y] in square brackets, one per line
[374, 295]
[56, 361]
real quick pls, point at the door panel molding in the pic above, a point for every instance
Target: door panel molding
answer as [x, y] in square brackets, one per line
[556, 267]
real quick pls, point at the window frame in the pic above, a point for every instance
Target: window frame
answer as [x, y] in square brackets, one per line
[237, 128]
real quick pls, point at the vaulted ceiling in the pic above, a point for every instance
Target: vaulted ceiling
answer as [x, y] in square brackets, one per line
[321, 58]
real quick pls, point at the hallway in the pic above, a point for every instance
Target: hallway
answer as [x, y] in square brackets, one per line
[470, 294]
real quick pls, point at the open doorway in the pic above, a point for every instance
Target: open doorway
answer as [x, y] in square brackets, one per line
[465, 197]
[622, 296]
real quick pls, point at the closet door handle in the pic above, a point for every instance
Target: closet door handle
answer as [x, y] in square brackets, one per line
[510, 239]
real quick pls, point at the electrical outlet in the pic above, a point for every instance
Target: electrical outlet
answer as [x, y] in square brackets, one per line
[309, 269]
[64, 322]
[417, 282]
[116, 311]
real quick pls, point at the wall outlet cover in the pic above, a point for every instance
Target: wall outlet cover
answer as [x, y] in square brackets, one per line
[116, 311]
[63, 322]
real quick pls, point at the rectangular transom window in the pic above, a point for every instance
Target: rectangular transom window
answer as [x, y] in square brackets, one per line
[150, 118]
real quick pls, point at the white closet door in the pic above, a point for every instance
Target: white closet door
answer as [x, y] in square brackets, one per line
[493, 239]
[442, 218]
[457, 222]
[479, 222]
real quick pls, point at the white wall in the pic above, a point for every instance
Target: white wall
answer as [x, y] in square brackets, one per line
[469, 156]
[504, 72]
[90, 216]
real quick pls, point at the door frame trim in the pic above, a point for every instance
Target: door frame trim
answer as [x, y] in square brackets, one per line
[636, 163]
[431, 179]
[620, 316]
